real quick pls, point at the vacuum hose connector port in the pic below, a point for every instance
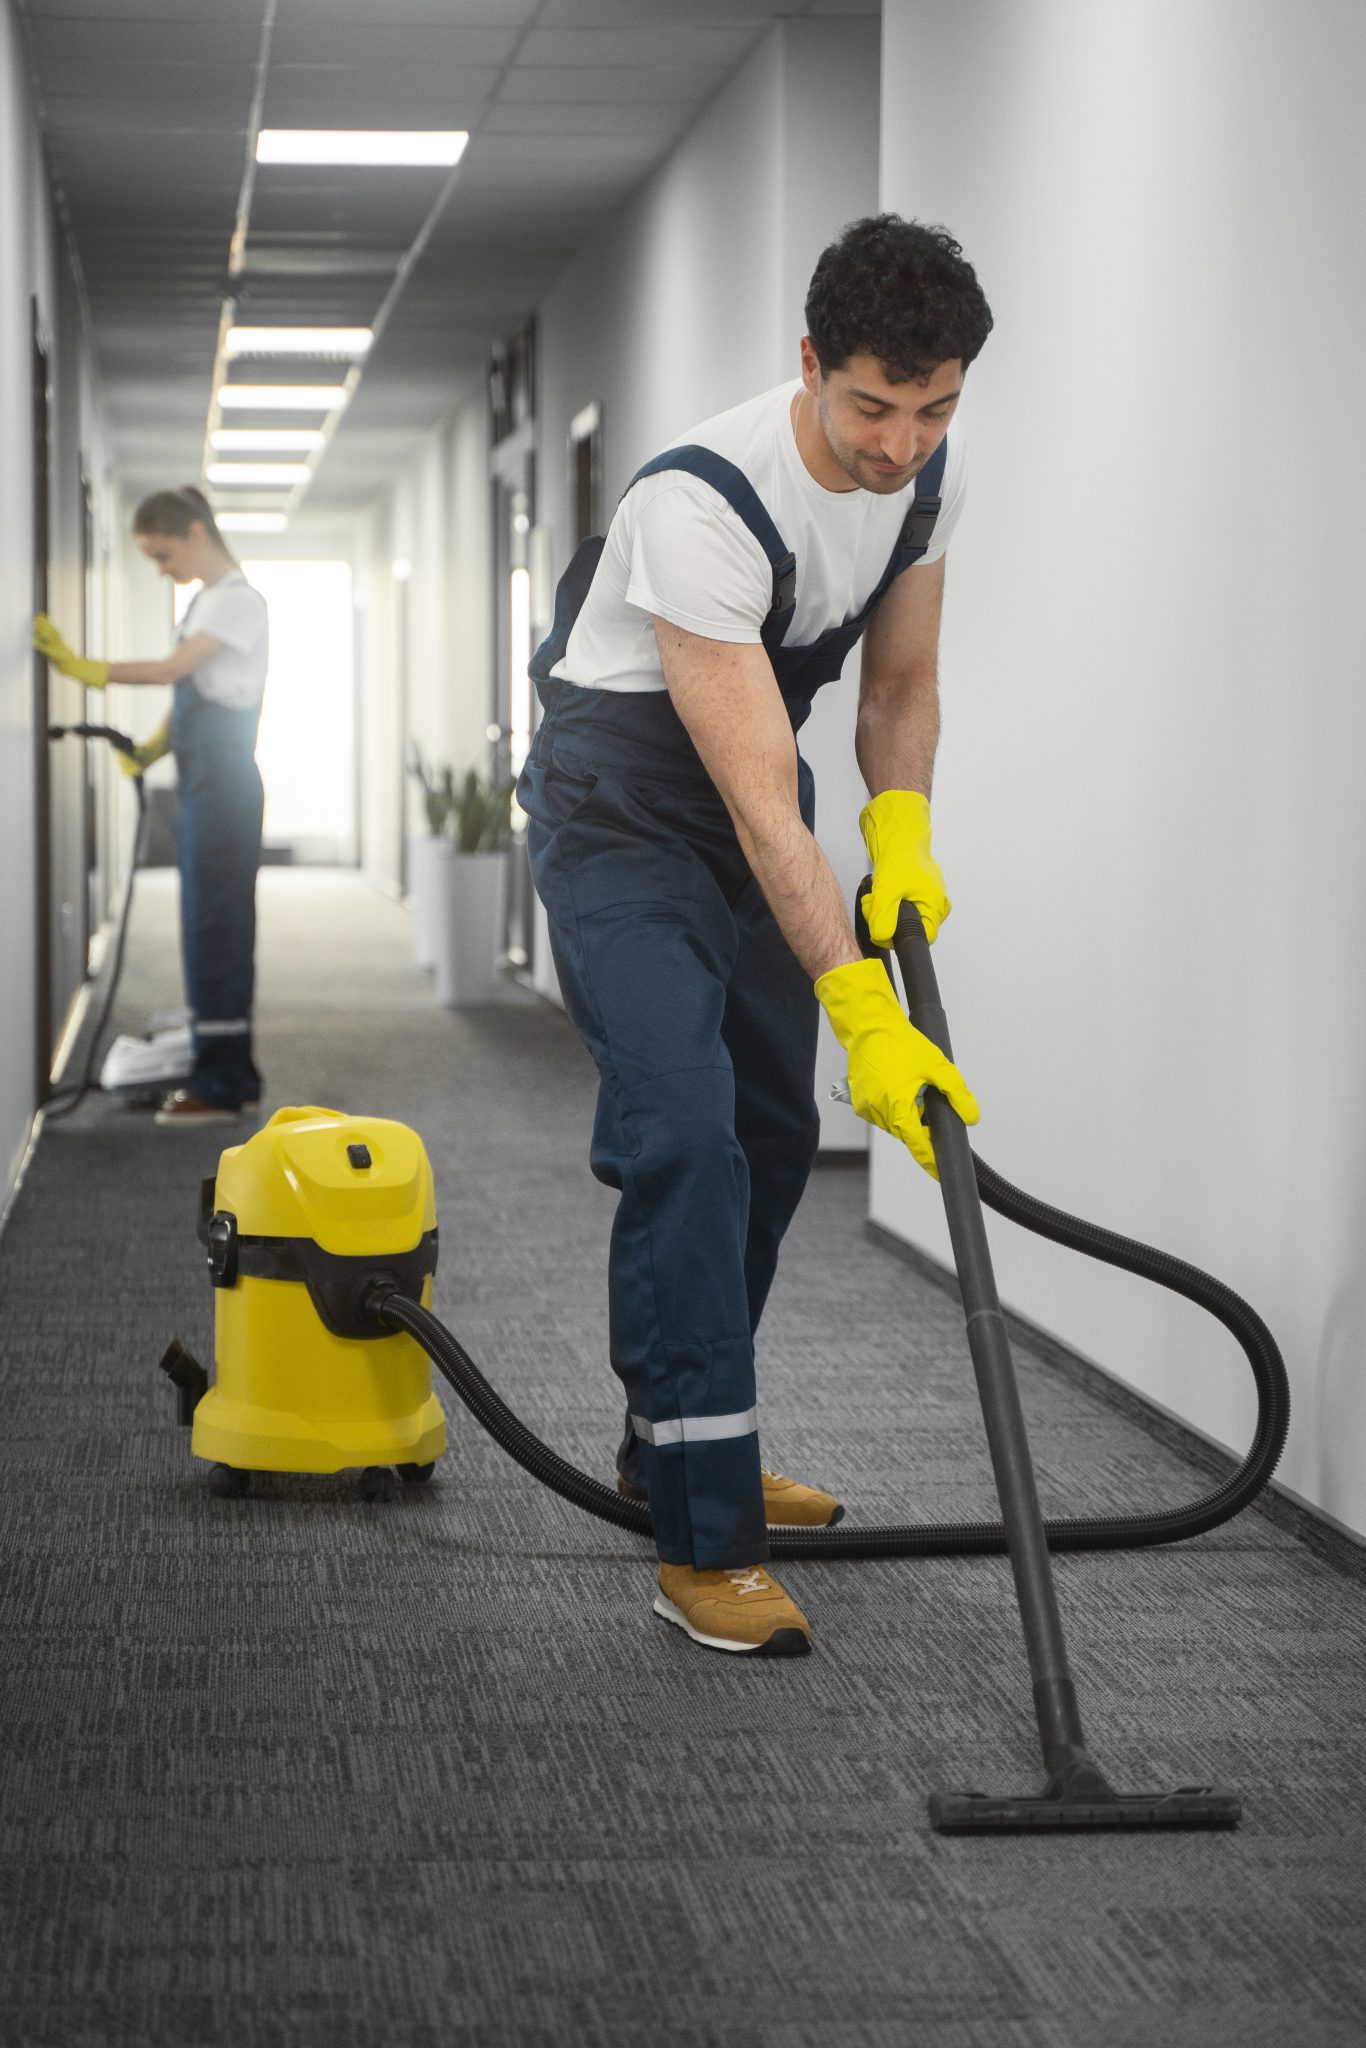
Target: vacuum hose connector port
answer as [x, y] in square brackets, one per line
[370, 1304]
[187, 1376]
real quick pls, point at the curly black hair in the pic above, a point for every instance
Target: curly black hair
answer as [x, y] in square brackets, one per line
[900, 291]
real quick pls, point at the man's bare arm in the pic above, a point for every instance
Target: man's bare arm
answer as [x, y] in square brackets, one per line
[728, 698]
[898, 714]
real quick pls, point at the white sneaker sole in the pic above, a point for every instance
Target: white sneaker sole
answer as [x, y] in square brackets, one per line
[784, 1642]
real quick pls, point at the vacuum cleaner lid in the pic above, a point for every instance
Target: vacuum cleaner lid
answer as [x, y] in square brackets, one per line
[355, 1185]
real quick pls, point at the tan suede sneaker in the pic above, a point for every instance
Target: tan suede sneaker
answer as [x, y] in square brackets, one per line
[743, 1609]
[787, 1503]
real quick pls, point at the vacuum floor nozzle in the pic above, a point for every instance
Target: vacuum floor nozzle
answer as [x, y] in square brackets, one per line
[1190, 1806]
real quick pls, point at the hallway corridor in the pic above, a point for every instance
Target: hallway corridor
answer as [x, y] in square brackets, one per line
[301, 1772]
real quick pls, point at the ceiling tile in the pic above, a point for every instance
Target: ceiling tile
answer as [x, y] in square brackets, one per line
[381, 43]
[631, 14]
[338, 98]
[59, 40]
[612, 117]
[670, 42]
[411, 13]
[142, 120]
[667, 84]
[178, 86]
[249, 11]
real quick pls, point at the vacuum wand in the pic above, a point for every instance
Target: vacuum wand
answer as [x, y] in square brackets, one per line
[1077, 1793]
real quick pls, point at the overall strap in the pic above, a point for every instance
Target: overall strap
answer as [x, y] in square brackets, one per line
[739, 493]
[917, 530]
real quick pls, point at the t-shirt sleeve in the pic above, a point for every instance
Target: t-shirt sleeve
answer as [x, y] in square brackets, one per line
[694, 562]
[236, 615]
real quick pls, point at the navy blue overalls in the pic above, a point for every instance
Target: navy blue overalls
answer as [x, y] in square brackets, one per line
[703, 1026]
[218, 849]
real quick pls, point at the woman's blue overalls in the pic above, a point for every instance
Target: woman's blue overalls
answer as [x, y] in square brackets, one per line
[703, 1027]
[218, 849]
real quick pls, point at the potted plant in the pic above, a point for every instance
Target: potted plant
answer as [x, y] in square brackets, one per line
[424, 851]
[471, 878]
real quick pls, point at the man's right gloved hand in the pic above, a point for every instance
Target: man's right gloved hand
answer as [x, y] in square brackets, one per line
[890, 1063]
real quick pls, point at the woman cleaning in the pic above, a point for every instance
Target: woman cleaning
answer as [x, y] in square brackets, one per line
[217, 670]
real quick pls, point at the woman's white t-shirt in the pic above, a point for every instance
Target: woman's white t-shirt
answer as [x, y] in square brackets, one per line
[234, 614]
[675, 550]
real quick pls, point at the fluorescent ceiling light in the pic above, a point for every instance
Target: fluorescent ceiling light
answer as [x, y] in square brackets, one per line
[282, 397]
[437, 146]
[251, 522]
[298, 341]
[258, 472]
[228, 438]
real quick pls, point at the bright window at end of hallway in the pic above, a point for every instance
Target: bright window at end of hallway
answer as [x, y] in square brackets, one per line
[307, 744]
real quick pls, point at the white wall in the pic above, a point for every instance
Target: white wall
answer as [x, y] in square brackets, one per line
[433, 637]
[1148, 808]
[32, 263]
[690, 300]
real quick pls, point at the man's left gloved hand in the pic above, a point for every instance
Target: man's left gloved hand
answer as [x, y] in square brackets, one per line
[896, 832]
[81, 667]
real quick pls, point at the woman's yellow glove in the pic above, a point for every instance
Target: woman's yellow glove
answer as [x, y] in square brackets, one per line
[52, 647]
[145, 756]
[891, 1064]
[896, 832]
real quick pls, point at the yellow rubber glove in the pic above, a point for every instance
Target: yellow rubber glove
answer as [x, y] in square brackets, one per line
[891, 1064]
[143, 757]
[896, 832]
[81, 667]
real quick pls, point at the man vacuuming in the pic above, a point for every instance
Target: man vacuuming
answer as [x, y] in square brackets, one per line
[694, 921]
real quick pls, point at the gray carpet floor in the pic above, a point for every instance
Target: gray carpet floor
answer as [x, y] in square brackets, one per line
[299, 1770]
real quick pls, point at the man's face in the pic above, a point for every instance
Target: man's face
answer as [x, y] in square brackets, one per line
[881, 433]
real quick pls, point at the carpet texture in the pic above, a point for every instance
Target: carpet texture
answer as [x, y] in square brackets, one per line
[299, 1770]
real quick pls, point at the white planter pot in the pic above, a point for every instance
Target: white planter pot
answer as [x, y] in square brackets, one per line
[424, 852]
[468, 925]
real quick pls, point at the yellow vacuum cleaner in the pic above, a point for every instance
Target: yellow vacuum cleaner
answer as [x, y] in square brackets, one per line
[297, 1223]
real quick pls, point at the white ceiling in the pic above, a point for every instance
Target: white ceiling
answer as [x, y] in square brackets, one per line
[145, 106]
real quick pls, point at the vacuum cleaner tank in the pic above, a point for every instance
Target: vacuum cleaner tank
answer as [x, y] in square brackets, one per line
[354, 1185]
[302, 1215]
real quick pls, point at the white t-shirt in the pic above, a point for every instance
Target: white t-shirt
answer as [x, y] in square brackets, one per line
[235, 614]
[675, 550]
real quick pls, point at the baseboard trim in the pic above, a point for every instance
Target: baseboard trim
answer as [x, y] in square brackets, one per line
[1329, 1540]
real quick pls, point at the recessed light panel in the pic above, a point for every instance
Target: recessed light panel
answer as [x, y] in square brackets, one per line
[438, 147]
[298, 341]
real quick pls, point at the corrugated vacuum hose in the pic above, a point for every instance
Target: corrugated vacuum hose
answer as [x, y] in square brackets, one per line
[1077, 1793]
